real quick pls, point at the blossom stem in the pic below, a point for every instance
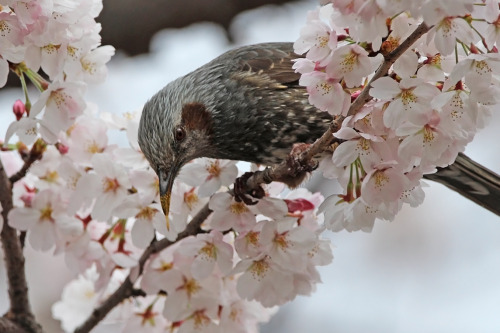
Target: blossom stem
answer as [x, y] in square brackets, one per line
[27, 102]
[38, 81]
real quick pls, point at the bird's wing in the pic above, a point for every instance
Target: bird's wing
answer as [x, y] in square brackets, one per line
[272, 60]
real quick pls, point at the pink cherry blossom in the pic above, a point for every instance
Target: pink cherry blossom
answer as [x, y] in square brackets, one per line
[264, 281]
[47, 170]
[410, 99]
[91, 67]
[63, 103]
[287, 244]
[229, 213]
[317, 38]
[350, 63]
[242, 316]
[248, 244]
[147, 316]
[78, 300]
[46, 220]
[383, 184]
[87, 138]
[185, 202]
[424, 143]
[107, 187]
[476, 70]
[448, 30]
[11, 31]
[434, 11]
[148, 218]
[185, 294]
[210, 173]
[326, 93]
[208, 250]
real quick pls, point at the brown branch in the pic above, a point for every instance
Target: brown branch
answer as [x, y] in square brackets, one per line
[20, 309]
[283, 170]
[389, 60]
[34, 154]
[127, 290]
[8, 326]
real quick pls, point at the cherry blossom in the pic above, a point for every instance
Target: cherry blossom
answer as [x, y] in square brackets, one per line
[410, 99]
[351, 63]
[317, 38]
[207, 251]
[325, 93]
[210, 173]
[229, 213]
[106, 188]
[46, 220]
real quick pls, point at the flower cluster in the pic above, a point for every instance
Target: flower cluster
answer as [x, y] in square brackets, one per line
[62, 39]
[98, 205]
[430, 104]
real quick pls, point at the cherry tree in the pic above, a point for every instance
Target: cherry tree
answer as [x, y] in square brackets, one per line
[407, 89]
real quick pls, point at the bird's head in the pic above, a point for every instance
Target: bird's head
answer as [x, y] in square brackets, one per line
[175, 128]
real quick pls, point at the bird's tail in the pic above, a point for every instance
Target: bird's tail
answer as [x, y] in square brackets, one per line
[471, 180]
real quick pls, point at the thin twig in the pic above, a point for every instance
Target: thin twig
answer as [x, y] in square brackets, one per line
[35, 154]
[127, 290]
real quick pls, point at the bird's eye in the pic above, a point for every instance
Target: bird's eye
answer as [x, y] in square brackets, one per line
[180, 134]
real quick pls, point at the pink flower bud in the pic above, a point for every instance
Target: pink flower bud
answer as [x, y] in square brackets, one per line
[63, 149]
[19, 109]
[299, 205]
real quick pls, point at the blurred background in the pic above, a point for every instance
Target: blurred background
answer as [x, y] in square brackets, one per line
[434, 269]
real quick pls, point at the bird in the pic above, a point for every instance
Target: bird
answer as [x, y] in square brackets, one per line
[247, 105]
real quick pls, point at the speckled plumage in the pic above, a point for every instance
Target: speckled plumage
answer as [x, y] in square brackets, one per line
[247, 105]
[244, 105]
[258, 110]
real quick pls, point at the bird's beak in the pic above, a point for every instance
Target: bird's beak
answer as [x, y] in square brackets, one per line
[166, 183]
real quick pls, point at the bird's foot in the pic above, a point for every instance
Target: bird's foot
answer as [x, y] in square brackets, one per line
[243, 194]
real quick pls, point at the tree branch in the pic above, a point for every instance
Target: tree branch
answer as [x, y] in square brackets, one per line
[34, 154]
[283, 170]
[20, 309]
[127, 288]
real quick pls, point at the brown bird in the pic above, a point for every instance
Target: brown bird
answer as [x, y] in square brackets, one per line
[247, 105]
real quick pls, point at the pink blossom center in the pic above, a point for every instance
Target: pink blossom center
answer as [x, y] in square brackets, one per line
[46, 214]
[165, 266]
[200, 319]
[213, 169]
[380, 179]
[146, 213]
[191, 286]
[190, 198]
[259, 269]
[322, 41]
[209, 251]
[281, 241]
[111, 184]
[407, 96]
[238, 208]
[252, 237]
[428, 134]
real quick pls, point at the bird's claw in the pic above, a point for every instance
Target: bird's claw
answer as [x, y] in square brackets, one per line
[243, 194]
